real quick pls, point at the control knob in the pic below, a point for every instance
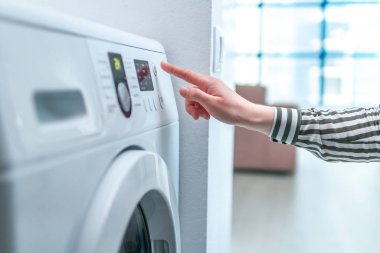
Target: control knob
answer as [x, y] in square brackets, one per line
[124, 98]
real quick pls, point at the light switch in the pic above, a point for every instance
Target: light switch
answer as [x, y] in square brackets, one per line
[218, 42]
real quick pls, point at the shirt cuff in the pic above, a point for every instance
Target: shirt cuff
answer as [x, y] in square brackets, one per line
[286, 125]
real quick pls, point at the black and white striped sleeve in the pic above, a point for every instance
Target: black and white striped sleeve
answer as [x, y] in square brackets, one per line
[349, 135]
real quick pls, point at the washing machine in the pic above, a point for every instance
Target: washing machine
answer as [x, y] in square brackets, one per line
[88, 138]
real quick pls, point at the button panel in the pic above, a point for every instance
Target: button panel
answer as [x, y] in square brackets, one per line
[159, 94]
[127, 92]
[121, 90]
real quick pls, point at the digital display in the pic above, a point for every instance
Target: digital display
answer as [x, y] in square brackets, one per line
[143, 75]
[117, 67]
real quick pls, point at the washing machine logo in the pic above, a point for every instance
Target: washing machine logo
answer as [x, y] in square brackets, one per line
[116, 63]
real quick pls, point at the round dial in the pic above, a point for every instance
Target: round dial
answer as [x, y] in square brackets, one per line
[124, 98]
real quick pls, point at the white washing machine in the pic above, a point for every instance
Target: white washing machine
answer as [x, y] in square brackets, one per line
[88, 138]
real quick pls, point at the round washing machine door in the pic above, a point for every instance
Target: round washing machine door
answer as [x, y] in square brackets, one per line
[134, 209]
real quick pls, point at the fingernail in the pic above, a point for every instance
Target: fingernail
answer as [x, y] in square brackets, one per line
[184, 91]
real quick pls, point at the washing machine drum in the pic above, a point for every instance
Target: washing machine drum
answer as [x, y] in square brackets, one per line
[136, 238]
[134, 209]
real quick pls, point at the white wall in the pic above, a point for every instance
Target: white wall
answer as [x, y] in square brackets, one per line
[184, 28]
[221, 141]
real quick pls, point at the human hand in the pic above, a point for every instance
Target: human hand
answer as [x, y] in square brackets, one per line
[208, 96]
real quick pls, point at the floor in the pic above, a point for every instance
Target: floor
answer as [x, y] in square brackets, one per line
[322, 208]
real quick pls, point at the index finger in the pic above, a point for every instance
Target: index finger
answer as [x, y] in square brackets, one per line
[189, 76]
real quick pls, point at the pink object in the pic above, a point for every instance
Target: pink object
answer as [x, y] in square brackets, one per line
[255, 151]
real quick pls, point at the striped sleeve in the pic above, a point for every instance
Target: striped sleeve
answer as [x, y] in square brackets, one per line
[286, 125]
[349, 135]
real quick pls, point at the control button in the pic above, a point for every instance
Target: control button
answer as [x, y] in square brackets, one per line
[145, 105]
[124, 98]
[150, 106]
[161, 101]
[154, 104]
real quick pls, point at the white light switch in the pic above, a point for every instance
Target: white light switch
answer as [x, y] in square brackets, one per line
[218, 49]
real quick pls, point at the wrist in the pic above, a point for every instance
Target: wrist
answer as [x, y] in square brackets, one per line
[256, 117]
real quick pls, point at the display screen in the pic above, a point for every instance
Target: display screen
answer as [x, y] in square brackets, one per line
[117, 67]
[143, 75]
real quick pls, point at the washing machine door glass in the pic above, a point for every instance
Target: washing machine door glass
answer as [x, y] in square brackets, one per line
[136, 238]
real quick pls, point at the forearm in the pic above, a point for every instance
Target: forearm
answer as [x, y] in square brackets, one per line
[350, 135]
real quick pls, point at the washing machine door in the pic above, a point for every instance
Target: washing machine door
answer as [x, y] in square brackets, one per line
[134, 209]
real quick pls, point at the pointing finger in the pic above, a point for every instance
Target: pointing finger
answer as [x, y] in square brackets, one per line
[189, 76]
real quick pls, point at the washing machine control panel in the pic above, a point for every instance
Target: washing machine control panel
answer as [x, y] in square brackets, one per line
[133, 88]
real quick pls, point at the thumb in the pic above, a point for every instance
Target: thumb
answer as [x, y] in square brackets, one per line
[195, 94]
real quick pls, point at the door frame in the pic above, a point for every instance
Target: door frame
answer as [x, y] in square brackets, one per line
[136, 177]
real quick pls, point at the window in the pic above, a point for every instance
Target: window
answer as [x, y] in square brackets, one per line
[309, 52]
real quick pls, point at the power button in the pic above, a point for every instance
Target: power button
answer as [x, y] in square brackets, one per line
[121, 84]
[124, 97]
